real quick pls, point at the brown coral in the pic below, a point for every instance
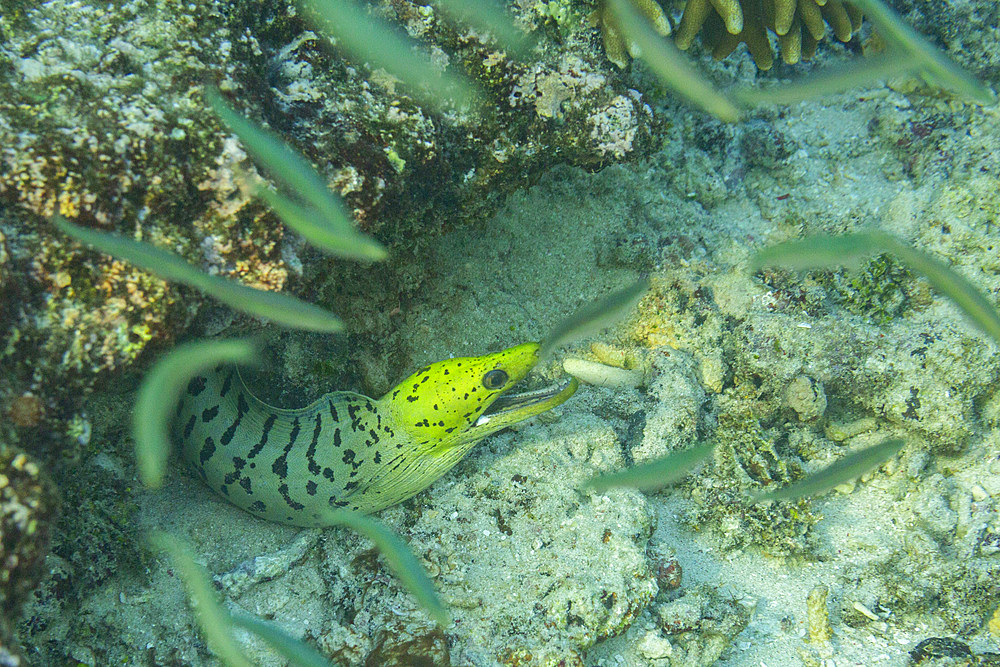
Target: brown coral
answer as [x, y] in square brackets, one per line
[26, 410]
[615, 47]
[799, 25]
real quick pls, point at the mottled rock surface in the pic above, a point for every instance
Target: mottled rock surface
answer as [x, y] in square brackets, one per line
[27, 510]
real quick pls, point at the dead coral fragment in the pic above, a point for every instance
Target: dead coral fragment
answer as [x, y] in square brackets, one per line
[818, 615]
[799, 24]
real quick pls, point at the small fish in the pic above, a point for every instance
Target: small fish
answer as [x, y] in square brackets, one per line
[820, 252]
[280, 308]
[598, 315]
[655, 474]
[843, 470]
[315, 212]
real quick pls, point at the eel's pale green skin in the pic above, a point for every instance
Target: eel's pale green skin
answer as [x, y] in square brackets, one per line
[348, 450]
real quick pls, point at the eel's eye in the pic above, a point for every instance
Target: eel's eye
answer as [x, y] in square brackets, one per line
[495, 379]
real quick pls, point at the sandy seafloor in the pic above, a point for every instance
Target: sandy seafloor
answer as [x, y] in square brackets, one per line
[526, 585]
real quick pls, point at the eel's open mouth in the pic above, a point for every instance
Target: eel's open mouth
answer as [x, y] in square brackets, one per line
[525, 401]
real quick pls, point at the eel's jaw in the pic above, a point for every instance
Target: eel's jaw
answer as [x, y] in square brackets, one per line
[513, 408]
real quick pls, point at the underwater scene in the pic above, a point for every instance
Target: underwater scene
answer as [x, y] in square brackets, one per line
[480, 333]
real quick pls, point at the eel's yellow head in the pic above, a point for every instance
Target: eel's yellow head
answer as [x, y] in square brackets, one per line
[459, 401]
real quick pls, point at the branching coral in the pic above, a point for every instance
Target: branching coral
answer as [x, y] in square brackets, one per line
[724, 24]
[615, 47]
[799, 24]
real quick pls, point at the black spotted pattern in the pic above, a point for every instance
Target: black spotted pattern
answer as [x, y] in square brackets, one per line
[333, 453]
[227, 384]
[311, 452]
[280, 465]
[241, 409]
[189, 426]
[268, 425]
[207, 450]
[196, 385]
[283, 490]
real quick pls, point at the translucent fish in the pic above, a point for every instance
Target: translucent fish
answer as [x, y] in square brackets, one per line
[925, 58]
[399, 558]
[324, 222]
[374, 42]
[843, 470]
[655, 474]
[280, 308]
[162, 388]
[909, 53]
[217, 624]
[671, 67]
[314, 228]
[598, 315]
[830, 80]
[970, 299]
[488, 16]
[213, 620]
[818, 252]
[293, 650]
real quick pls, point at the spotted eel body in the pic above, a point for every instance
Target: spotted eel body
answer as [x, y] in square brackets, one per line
[348, 450]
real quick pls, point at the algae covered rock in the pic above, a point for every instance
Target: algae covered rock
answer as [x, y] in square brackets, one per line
[102, 120]
[27, 509]
[99, 122]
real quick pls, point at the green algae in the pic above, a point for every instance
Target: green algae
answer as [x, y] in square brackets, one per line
[879, 292]
[748, 456]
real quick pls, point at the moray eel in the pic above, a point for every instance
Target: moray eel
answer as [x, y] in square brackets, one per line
[348, 450]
